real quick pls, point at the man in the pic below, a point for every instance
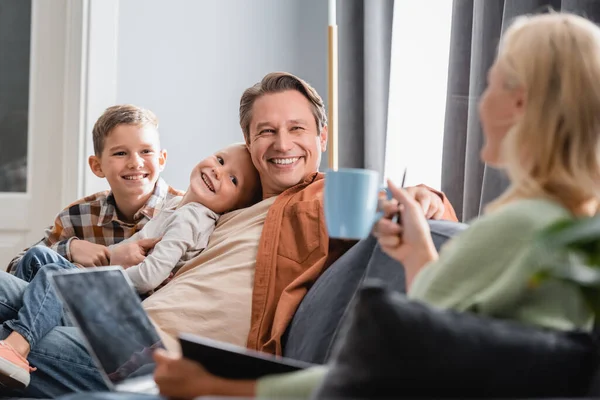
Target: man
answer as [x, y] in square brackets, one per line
[285, 128]
[260, 260]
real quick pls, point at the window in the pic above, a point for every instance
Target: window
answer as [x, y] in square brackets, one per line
[15, 35]
[418, 83]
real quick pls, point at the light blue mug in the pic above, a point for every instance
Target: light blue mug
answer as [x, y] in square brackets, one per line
[351, 198]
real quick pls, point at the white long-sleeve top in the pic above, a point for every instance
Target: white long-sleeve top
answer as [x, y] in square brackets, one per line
[185, 232]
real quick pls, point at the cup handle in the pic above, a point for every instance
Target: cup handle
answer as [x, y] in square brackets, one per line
[379, 213]
[388, 195]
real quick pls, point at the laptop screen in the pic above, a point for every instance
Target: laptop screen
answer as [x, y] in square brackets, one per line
[111, 318]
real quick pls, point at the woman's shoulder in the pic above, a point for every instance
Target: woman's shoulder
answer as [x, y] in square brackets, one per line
[532, 209]
[524, 215]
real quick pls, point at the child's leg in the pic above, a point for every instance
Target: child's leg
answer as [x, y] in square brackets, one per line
[35, 258]
[42, 310]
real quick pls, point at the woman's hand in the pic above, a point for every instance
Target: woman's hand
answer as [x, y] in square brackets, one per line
[409, 241]
[181, 378]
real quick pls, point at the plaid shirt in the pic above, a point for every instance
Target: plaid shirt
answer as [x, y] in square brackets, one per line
[94, 218]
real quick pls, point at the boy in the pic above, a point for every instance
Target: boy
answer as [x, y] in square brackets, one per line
[223, 182]
[127, 153]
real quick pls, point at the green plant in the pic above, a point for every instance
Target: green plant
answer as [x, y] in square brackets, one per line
[570, 251]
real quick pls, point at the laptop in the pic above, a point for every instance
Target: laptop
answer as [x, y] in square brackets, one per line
[235, 362]
[117, 331]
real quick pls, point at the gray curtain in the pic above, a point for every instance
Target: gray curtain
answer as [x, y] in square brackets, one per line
[476, 29]
[365, 44]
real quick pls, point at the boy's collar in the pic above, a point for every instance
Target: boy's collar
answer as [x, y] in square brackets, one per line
[108, 213]
[161, 189]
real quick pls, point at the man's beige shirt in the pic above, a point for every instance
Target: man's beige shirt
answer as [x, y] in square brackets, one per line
[211, 295]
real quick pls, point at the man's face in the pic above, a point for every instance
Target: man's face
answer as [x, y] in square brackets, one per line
[284, 141]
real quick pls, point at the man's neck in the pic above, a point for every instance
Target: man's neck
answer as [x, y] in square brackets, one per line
[267, 195]
[268, 192]
[128, 207]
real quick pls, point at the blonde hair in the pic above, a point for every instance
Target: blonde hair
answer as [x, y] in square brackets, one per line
[553, 149]
[277, 82]
[125, 114]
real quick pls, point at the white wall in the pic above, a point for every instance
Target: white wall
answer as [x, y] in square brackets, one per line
[190, 60]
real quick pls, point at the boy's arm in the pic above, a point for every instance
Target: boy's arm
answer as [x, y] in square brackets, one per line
[190, 230]
[57, 237]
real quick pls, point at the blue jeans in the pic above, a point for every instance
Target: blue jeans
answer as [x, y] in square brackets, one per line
[37, 257]
[61, 358]
[42, 310]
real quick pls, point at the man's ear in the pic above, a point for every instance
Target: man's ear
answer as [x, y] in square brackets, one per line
[96, 166]
[323, 138]
[162, 159]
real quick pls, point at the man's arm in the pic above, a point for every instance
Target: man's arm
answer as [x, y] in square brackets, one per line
[448, 211]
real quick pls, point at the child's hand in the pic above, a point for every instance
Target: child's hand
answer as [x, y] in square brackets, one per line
[89, 254]
[131, 253]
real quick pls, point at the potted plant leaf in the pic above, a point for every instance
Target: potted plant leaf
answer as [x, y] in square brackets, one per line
[570, 251]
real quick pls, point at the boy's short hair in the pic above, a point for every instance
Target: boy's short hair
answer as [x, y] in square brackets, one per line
[114, 116]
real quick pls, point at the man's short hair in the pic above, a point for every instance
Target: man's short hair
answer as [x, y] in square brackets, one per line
[277, 82]
[124, 114]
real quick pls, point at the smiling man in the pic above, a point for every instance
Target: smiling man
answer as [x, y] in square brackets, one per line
[285, 127]
[285, 132]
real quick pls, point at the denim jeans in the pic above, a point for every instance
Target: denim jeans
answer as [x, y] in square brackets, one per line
[61, 358]
[37, 257]
[42, 310]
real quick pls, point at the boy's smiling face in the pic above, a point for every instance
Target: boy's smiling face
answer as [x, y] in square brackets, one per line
[224, 181]
[131, 162]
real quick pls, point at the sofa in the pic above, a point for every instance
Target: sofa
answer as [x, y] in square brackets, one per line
[336, 289]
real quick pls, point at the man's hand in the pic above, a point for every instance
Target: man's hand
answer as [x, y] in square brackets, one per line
[132, 253]
[432, 205]
[181, 378]
[89, 254]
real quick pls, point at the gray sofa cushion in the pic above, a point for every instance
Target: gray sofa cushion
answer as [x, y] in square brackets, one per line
[315, 325]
